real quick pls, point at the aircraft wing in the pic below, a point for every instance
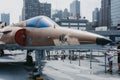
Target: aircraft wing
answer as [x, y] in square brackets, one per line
[66, 40]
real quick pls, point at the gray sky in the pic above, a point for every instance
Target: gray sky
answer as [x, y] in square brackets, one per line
[14, 7]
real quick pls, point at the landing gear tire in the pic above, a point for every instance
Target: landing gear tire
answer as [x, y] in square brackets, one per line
[29, 59]
[1, 53]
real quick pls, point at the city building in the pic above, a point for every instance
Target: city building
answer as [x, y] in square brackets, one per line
[115, 14]
[80, 24]
[106, 13]
[66, 14]
[57, 15]
[100, 17]
[32, 8]
[95, 17]
[75, 9]
[5, 17]
[45, 9]
[20, 18]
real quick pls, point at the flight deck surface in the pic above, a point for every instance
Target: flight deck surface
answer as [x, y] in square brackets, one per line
[12, 68]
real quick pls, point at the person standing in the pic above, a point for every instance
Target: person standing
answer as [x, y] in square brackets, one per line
[110, 59]
[118, 58]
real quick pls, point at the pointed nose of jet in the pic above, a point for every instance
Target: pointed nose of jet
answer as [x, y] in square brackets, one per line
[102, 41]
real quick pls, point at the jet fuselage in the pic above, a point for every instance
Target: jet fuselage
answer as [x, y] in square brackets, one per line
[41, 31]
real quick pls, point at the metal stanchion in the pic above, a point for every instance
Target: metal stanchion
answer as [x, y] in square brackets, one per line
[38, 60]
[105, 63]
[48, 54]
[90, 59]
[79, 58]
[70, 57]
[63, 55]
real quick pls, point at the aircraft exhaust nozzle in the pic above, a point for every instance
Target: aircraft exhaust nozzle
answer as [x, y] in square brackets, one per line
[102, 41]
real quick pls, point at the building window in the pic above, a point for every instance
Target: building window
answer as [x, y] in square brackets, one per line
[82, 24]
[73, 23]
[65, 23]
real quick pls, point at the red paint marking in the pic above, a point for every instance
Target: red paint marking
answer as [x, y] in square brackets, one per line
[20, 37]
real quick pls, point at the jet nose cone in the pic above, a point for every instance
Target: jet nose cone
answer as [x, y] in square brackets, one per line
[102, 41]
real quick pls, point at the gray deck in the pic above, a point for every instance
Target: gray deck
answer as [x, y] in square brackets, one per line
[12, 68]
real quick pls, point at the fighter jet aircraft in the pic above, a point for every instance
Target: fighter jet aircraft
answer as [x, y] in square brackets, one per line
[42, 31]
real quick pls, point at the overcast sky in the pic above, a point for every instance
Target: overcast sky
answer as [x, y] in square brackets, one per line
[14, 7]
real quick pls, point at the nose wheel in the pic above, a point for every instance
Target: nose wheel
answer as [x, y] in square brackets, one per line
[29, 59]
[1, 52]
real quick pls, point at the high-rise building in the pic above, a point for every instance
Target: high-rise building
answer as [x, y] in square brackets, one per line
[45, 9]
[57, 15]
[106, 14]
[20, 18]
[66, 14]
[75, 9]
[32, 8]
[95, 17]
[100, 17]
[115, 13]
[5, 18]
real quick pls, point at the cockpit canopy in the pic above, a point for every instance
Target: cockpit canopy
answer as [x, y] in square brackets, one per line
[40, 22]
